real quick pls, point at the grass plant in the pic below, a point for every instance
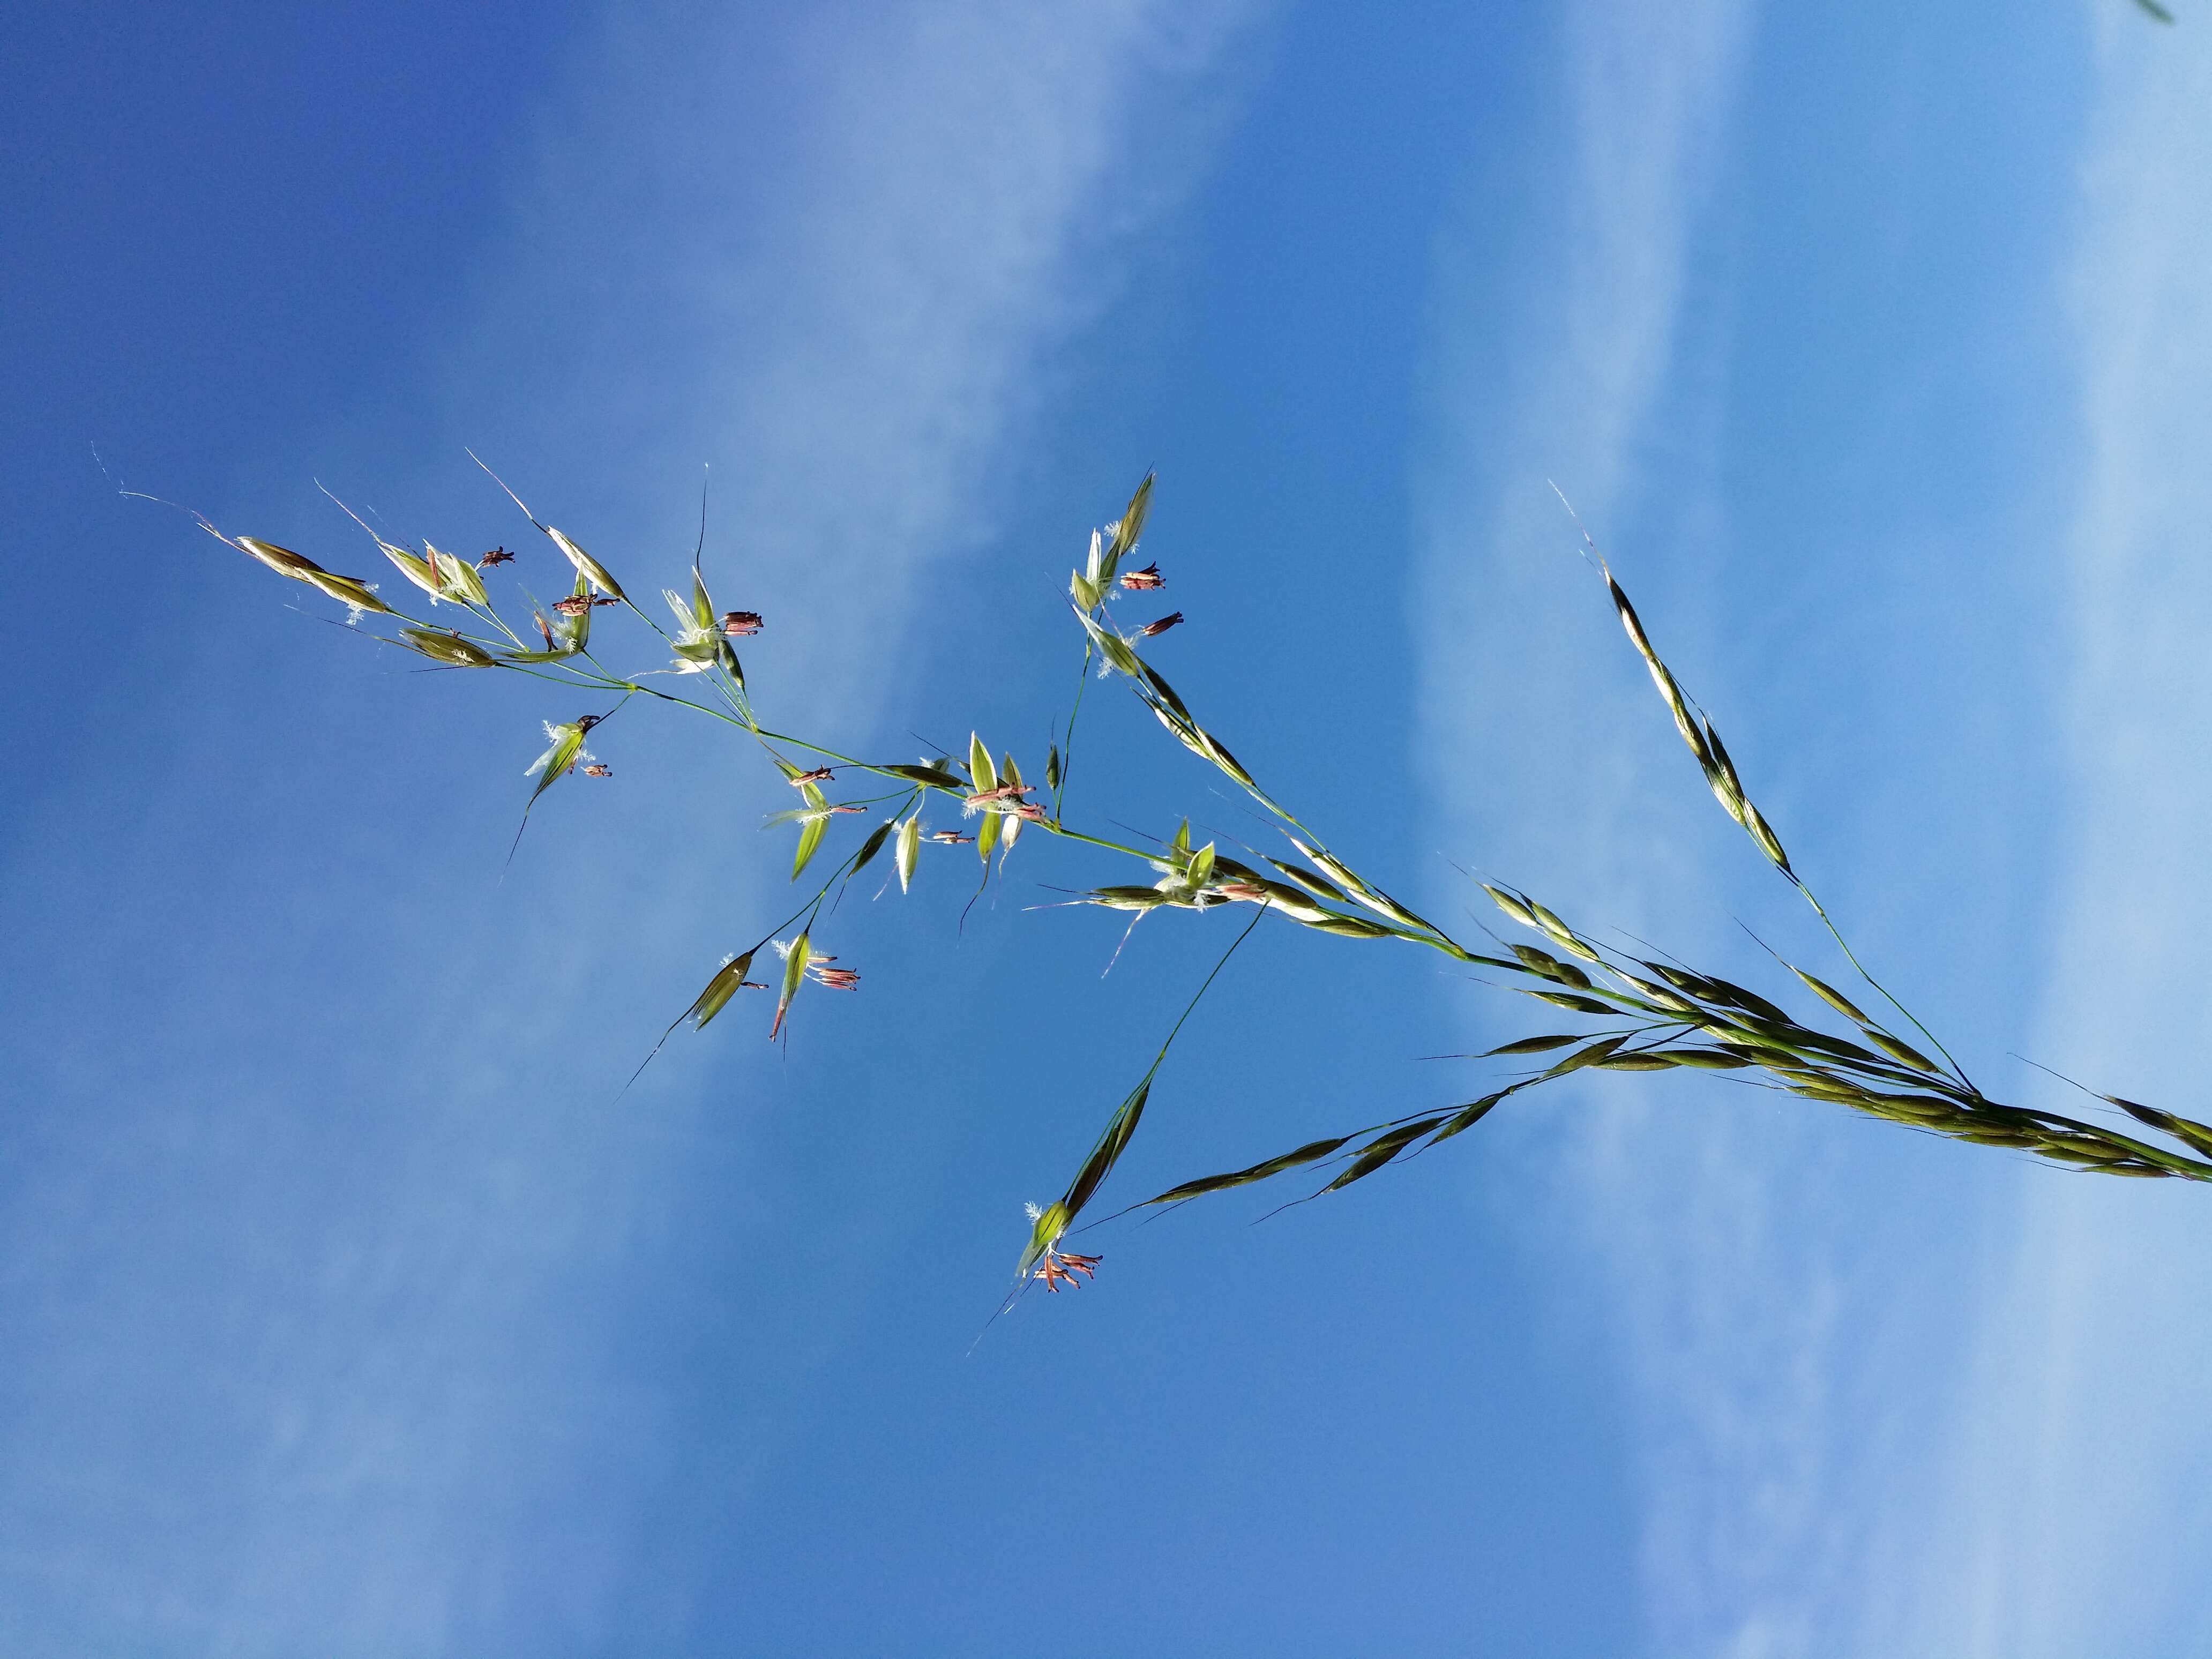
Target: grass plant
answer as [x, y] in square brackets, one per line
[1626, 1013]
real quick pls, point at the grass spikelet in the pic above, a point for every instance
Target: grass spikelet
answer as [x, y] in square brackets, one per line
[870, 848]
[448, 649]
[349, 591]
[814, 827]
[1472, 1113]
[1513, 906]
[795, 958]
[1534, 1045]
[1127, 530]
[457, 577]
[2188, 1131]
[1382, 1149]
[909, 850]
[1828, 993]
[727, 981]
[1903, 1051]
[1661, 677]
[558, 760]
[1544, 962]
[417, 571]
[1312, 883]
[930, 777]
[1351, 927]
[1312, 1152]
[1592, 1055]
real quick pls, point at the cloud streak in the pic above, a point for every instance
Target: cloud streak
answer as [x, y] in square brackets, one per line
[1848, 1441]
[319, 1377]
[2076, 1494]
[1689, 1238]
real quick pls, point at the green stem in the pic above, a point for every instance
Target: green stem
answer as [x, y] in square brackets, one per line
[1067, 742]
[670, 696]
[1834, 933]
[1174, 1030]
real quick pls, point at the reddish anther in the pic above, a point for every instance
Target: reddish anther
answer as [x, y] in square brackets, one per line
[1060, 1269]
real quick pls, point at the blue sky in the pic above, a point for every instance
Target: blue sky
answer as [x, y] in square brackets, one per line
[344, 1307]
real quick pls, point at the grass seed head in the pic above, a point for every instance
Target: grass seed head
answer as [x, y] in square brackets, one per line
[1350, 927]
[727, 981]
[1313, 883]
[909, 853]
[457, 577]
[281, 560]
[417, 571]
[1513, 907]
[984, 775]
[587, 567]
[450, 649]
[1563, 934]
[1127, 898]
[796, 955]
[1127, 530]
[349, 591]
[1338, 870]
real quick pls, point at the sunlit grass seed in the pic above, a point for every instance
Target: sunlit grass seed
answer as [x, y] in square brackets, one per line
[727, 981]
[448, 649]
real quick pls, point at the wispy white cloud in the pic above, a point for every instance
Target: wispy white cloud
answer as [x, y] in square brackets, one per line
[1978, 1447]
[1696, 1239]
[834, 260]
[2075, 1513]
[1600, 313]
[849, 303]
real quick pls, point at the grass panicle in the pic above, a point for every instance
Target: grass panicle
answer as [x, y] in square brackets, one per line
[1651, 1016]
